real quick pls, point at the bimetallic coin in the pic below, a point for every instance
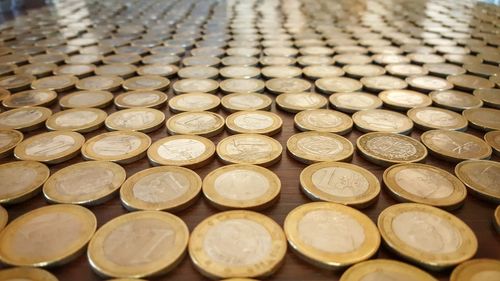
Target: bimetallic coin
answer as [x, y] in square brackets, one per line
[385, 149]
[197, 60]
[16, 83]
[58, 83]
[36, 69]
[240, 85]
[455, 146]
[332, 85]
[165, 188]
[426, 235]
[100, 83]
[341, 183]
[183, 86]
[146, 82]
[476, 269]
[81, 120]
[4, 94]
[443, 69]
[164, 70]
[485, 119]
[183, 150]
[296, 102]
[140, 98]
[429, 118]
[323, 120]
[59, 233]
[287, 85]
[78, 70]
[322, 71]
[428, 83]
[138, 244]
[275, 60]
[495, 79]
[27, 273]
[30, 98]
[483, 70]
[249, 149]
[405, 70]
[382, 83]
[25, 118]
[135, 119]
[311, 147]
[382, 268]
[86, 99]
[239, 60]
[256, 248]
[330, 235]
[246, 101]
[241, 186]
[117, 69]
[84, 59]
[125, 58]
[237, 71]
[363, 70]
[469, 83]
[481, 177]
[281, 71]
[490, 97]
[404, 99]
[196, 101]
[492, 138]
[455, 100]
[352, 58]
[355, 101]
[202, 123]
[380, 120]
[254, 122]
[21, 180]
[9, 139]
[198, 72]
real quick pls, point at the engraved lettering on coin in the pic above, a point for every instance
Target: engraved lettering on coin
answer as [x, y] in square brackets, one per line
[340, 181]
[424, 183]
[48, 145]
[116, 145]
[391, 147]
[20, 117]
[241, 185]
[320, 145]
[253, 121]
[181, 149]
[76, 119]
[249, 149]
[161, 187]
[10, 185]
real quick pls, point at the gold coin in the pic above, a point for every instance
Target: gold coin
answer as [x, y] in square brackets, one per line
[241, 186]
[359, 71]
[476, 269]
[78, 70]
[196, 101]
[322, 71]
[385, 59]
[490, 97]
[254, 122]
[455, 146]
[295, 102]
[133, 240]
[382, 83]
[355, 101]
[13, 59]
[51, 148]
[406, 228]
[125, 58]
[263, 253]
[429, 118]
[198, 72]
[6, 69]
[496, 219]
[443, 69]
[196, 60]
[16, 83]
[404, 99]
[386, 149]
[351, 58]
[100, 83]
[36, 69]
[495, 79]
[30, 98]
[382, 268]
[276, 60]
[287, 85]
[84, 59]
[281, 71]
[381, 120]
[183, 86]
[341, 183]
[189, 151]
[240, 85]
[425, 184]
[332, 85]
[24, 118]
[164, 70]
[81, 120]
[422, 58]
[323, 120]
[8, 140]
[485, 119]
[140, 98]
[238, 60]
[86, 99]
[165, 188]
[4, 94]
[86, 183]
[249, 149]
[481, 177]
[405, 70]
[147, 82]
[26, 273]
[492, 138]
[462, 59]
[48, 58]
[331, 235]
[21, 180]
[59, 234]
[316, 51]
[241, 72]
[202, 123]
[281, 51]
[117, 69]
[428, 83]
[311, 147]
[469, 83]
[455, 100]
[58, 83]
[246, 101]
[135, 119]
[122, 147]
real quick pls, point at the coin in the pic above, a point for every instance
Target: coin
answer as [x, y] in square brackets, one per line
[197, 60]
[135, 119]
[281, 51]
[6, 69]
[21, 180]
[80, 120]
[54, 239]
[485, 119]
[323, 120]
[331, 235]
[421, 59]
[240, 85]
[16, 83]
[125, 58]
[196, 101]
[355, 101]
[462, 59]
[183, 150]
[78, 70]
[381, 83]
[58, 83]
[9, 139]
[256, 122]
[48, 58]
[142, 244]
[165, 188]
[84, 59]
[121, 147]
[455, 146]
[404, 99]
[287, 85]
[322, 71]
[352, 58]
[241, 186]
[26, 273]
[281, 71]
[4, 94]
[164, 70]
[276, 60]
[246, 101]
[382, 268]
[239, 60]
[295, 102]
[198, 72]
[263, 253]
[337, 84]
[380, 120]
[443, 69]
[469, 83]
[238, 71]
[140, 98]
[405, 70]
[146, 82]
[100, 83]
[30, 98]
[363, 70]
[24, 118]
[36, 69]
[492, 138]
[481, 177]
[183, 86]
[86, 99]
[429, 118]
[426, 235]
[117, 69]
[496, 219]
[249, 149]
[490, 97]
[311, 147]
[455, 100]
[428, 83]
[341, 183]
[484, 269]
[201, 123]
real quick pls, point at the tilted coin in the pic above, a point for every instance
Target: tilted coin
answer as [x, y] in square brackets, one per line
[311, 147]
[78, 70]
[196, 101]
[198, 72]
[59, 233]
[444, 69]
[455, 100]
[476, 269]
[164, 70]
[469, 83]
[332, 85]
[249, 149]
[237, 71]
[146, 82]
[189, 151]
[9, 139]
[241, 186]
[323, 120]
[16, 83]
[295, 102]
[492, 138]
[166, 188]
[490, 97]
[455, 146]
[80, 120]
[405, 70]
[322, 71]
[202, 123]
[385, 59]
[281, 71]
[382, 268]
[21, 180]
[13, 59]
[355, 101]
[246, 101]
[140, 98]
[241, 85]
[331, 235]
[139, 119]
[27, 273]
[36, 69]
[287, 85]
[429, 118]
[341, 183]
[100, 83]
[481, 177]
[426, 235]
[86, 99]
[404, 99]
[382, 83]
[386, 149]
[381, 120]
[254, 122]
[58, 83]
[263, 253]
[428, 83]
[121, 147]
[118, 69]
[363, 70]
[24, 118]
[138, 244]
[183, 86]
[485, 119]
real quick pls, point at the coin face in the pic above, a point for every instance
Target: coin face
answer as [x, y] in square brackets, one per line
[337, 84]
[86, 99]
[21, 180]
[276, 60]
[295, 102]
[486, 119]
[78, 70]
[405, 70]
[58, 234]
[239, 60]
[382, 83]
[428, 83]
[469, 83]
[311, 147]
[183, 86]
[355, 101]
[146, 82]
[240, 85]
[404, 99]
[196, 101]
[164, 70]
[287, 85]
[481, 177]
[363, 70]
[198, 72]
[36, 69]
[27, 273]
[249, 149]
[444, 69]
[238, 71]
[323, 120]
[380, 120]
[322, 71]
[246, 101]
[382, 268]
[455, 100]
[100, 83]
[281, 71]
[117, 69]
[341, 183]
[202, 123]
[25, 118]
[8, 140]
[492, 138]
[426, 235]
[429, 118]
[15, 83]
[490, 97]
[257, 247]
[183, 150]
[256, 122]
[58, 83]
[135, 119]
[455, 146]
[80, 120]
[331, 235]
[138, 244]
[477, 269]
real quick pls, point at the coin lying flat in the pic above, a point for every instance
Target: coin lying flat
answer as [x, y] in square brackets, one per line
[382, 83]
[382, 268]
[332, 85]
[30, 98]
[80, 120]
[296, 102]
[85, 99]
[135, 119]
[476, 269]
[138, 244]
[429, 118]
[58, 83]
[57, 234]
[404, 99]
[341, 183]
[164, 70]
[9, 139]
[359, 71]
[386, 149]
[444, 69]
[254, 122]
[182, 150]
[496, 219]
[198, 72]
[25, 118]
[355, 101]
[485, 119]
[428, 83]
[100, 83]
[281, 71]
[405, 70]
[256, 248]
[492, 138]
[238, 71]
[26, 273]
[287, 85]
[116, 69]
[16, 83]
[469, 83]
[323, 120]
[146, 82]
[140, 98]
[455, 100]
[455, 146]
[331, 235]
[183, 86]
[4, 94]
[322, 71]
[426, 235]
[196, 101]
[249, 149]
[165, 188]
[380, 120]
[240, 85]
[121, 147]
[311, 147]
[246, 101]
[241, 186]
[21, 180]
[481, 177]
[490, 97]
[202, 123]
[78, 70]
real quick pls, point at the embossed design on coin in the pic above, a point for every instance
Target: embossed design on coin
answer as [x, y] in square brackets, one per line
[380, 120]
[310, 147]
[455, 146]
[201, 123]
[120, 146]
[246, 101]
[181, 150]
[482, 177]
[249, 149]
